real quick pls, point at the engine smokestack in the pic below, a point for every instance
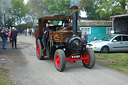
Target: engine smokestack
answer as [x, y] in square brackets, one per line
[74, 10]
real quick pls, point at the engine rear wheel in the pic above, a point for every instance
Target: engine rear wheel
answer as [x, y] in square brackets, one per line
[105, 49]
[39, 50]
[89, 58]
[59, 60]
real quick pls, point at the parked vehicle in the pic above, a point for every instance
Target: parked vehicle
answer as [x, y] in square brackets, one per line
[110, 43]
[64, 43]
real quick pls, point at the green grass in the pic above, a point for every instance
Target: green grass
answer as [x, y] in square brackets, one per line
[118, 61]
[4, 77]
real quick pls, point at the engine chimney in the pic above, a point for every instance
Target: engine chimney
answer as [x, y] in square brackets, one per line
[74, 10]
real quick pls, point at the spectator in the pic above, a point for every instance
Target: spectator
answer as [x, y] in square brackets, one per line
[33, 31]
[85, 38]
[13, 37]
[27, 32]
[0, 30]
[95, 38]
[9, 33]
[30, 32]
[4, 36]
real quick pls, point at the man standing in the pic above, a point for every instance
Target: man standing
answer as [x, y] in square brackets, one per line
[27, 32]
[4, 36]
[0, 29]
[13, 37]
[45, 35]
[33, 31]
[85, 38]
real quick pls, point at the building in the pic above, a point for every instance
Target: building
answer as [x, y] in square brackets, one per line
[95, 28]
[120, 24]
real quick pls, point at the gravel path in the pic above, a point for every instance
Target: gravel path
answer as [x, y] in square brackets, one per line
[26, 69]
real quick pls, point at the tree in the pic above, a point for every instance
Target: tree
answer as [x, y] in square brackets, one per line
[58, 6]
[18, 11]
[37, 9]
[4, 15]
[90, 7]
[107, 8]
[0, 13]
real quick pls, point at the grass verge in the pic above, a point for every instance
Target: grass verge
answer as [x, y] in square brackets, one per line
[4, 77]
[118, 61]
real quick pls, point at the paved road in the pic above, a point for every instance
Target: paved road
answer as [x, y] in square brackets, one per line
[26, 69]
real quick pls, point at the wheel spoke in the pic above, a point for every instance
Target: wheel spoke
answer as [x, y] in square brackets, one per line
[105, 50]
[38, 49]
[57, 60]
[86, 58]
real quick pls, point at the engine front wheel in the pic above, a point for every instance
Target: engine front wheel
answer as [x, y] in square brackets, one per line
[59, 60]
[89, 58]
[39, 50]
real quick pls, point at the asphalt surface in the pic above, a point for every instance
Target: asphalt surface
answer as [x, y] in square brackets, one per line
[26, 69]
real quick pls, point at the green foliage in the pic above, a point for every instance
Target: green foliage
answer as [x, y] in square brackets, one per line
[17, 11]
[10, 22]
[90, 8]
[27, 25]
[28, 13]
[107, 8]
[103, 9]
[58, 6]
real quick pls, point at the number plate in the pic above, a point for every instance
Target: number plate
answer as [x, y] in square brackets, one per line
[76, 56]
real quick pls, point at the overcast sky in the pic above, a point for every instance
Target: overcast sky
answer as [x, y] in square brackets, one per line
[25, 1]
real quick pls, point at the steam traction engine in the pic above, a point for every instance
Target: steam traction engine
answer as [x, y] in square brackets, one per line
[64, 43]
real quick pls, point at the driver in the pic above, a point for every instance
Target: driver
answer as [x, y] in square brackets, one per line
[65, 23]
[45, 35]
